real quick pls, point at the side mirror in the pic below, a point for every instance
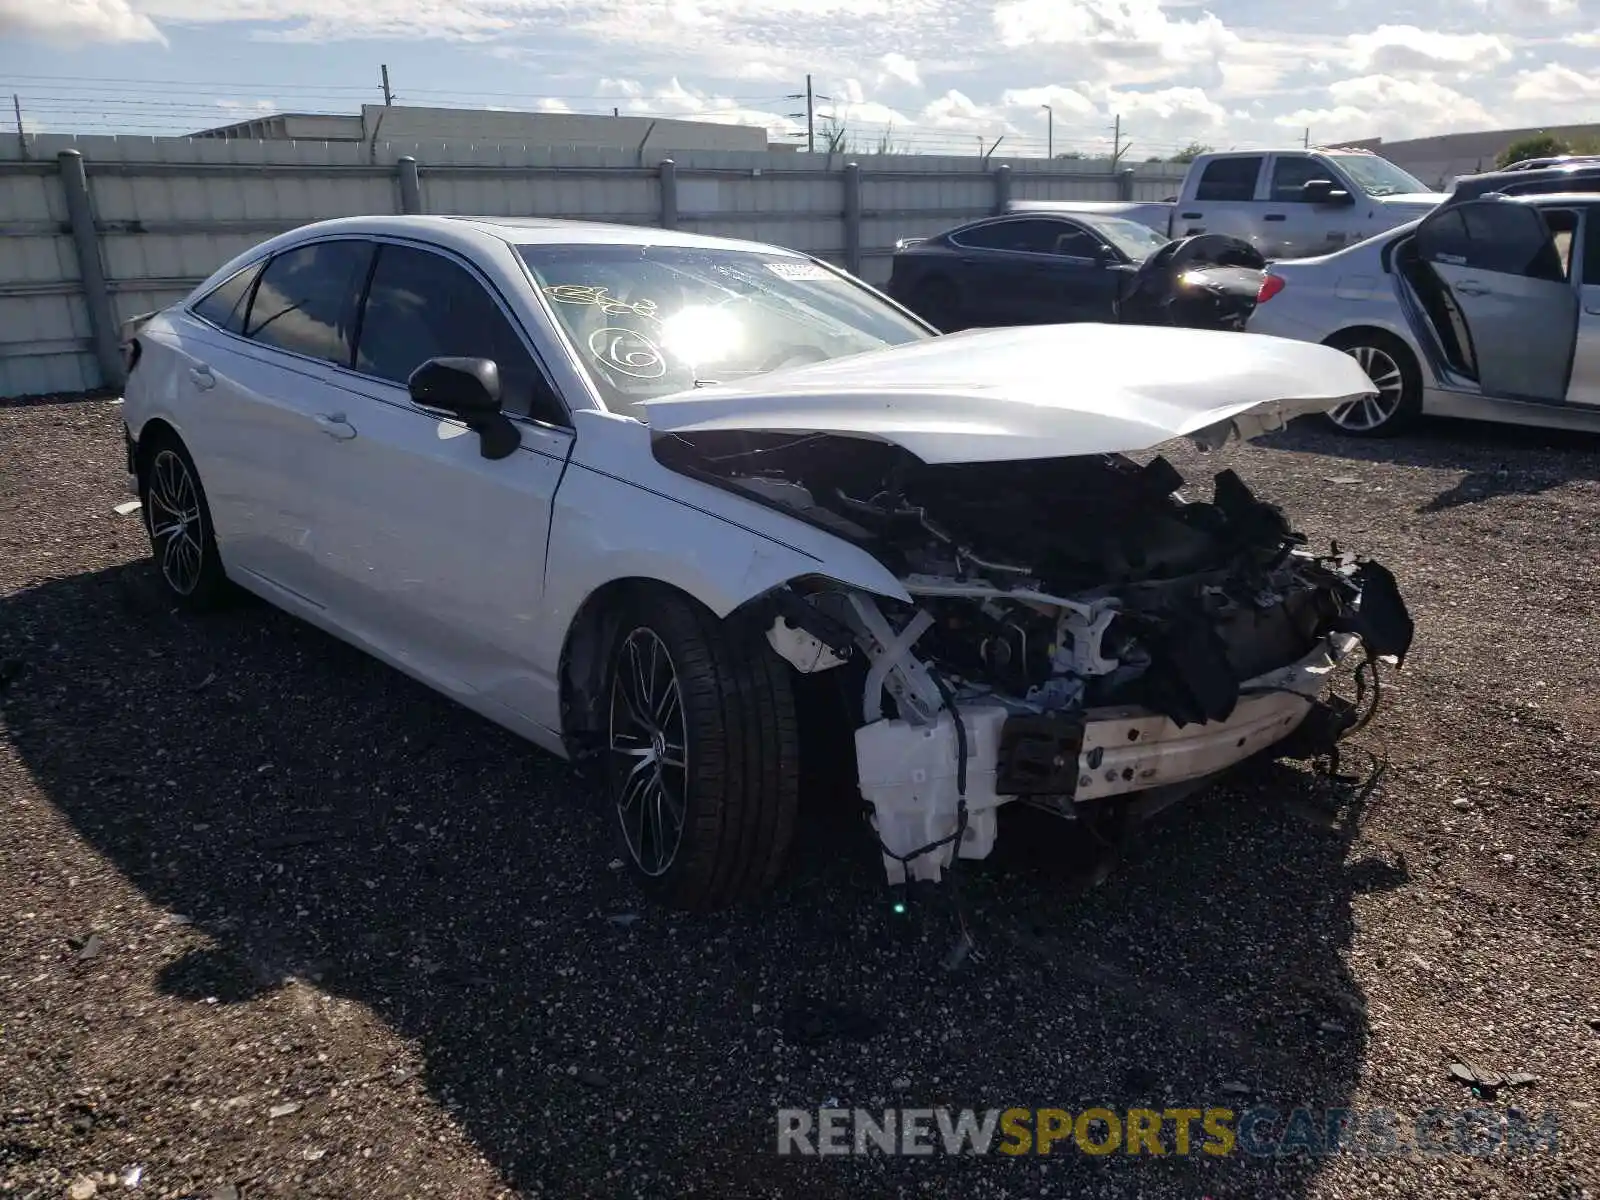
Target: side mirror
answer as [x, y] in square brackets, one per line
[1325, 191]
[468, 388]
[1104, 255]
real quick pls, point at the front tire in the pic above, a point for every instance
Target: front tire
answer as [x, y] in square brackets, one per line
[1394, 370]
[702, 753]
[178, 522]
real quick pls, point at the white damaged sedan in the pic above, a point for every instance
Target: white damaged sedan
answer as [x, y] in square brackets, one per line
[624, 491]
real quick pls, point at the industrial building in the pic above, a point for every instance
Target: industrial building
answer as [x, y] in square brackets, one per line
[1438, 160]
[405, 123]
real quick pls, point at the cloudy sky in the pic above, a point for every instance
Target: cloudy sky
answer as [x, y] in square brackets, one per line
[942, 74]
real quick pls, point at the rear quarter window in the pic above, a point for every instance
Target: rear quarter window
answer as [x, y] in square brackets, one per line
[1229, 179]
[225, 305]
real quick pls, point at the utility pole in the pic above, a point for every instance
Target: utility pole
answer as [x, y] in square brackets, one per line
[22, 138]
[811, 119]
[1307, 142]
[1050, 131]
[388, 96]
[810, 114]
[1117, 148]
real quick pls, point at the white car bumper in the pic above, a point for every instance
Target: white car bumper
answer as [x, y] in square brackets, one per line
[909, 773]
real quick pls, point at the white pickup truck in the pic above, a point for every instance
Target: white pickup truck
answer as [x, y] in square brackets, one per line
[1287, 203]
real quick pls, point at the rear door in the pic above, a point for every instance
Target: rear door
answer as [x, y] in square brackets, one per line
[1499, 264]
[1224, 199]
[268, 368]
[1585, 387]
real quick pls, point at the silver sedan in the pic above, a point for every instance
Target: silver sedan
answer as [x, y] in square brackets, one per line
[1488, 309]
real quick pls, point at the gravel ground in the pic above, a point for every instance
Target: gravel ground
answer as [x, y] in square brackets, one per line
[278, 922]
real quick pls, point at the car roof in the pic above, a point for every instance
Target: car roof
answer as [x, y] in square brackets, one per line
[527, 231]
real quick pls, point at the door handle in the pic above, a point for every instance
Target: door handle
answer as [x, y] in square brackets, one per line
[1472, 287]
[335, 426]
[1190, 216]
[203, 378]
[1274, 217]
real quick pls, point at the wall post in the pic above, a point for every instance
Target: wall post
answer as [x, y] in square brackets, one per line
[91, 270]
[667, 173]
[410, 184]
[1002, 187]
[1125, 184]
[852, 218]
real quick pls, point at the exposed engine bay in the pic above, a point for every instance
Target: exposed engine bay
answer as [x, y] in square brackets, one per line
[1081, 630]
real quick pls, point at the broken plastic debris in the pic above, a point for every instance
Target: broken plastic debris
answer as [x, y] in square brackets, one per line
[1343, 479]
[133, 1176]
[283, 1110]
[127, 508]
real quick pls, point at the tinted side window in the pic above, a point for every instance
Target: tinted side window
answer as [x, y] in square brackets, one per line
[1075, 242]
[1229, 179]
[306, 300]
[1037, 236]
[1488, 235]
[1290, 176]
[1579, 183]
[422, 305]
[1591, 247]
[225, 304]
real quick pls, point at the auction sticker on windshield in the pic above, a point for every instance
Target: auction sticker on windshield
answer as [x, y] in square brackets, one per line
[800, 270]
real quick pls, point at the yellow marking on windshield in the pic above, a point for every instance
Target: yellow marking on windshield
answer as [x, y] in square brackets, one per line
[599, 297]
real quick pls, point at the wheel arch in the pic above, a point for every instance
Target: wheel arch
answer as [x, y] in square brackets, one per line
[154, 431]
[594, 628]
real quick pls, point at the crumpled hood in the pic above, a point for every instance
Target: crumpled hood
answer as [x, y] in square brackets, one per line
[1044, 391]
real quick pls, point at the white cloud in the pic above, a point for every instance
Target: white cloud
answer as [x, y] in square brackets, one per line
[1117, 29]
[956, 110]
[1390, 107]
[676, 100]
[67, 22]
[1397, 49]
[1556, 84]
[901, 69]
[1063, 101]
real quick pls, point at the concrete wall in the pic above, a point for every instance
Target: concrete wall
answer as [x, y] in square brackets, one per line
[154, 216]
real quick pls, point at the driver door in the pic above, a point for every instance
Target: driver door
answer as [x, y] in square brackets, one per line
[1498, 263]
[434, 553]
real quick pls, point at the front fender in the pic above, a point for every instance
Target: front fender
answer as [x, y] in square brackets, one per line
[619, 514]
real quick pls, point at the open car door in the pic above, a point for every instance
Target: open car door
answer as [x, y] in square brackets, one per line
[1499, 264]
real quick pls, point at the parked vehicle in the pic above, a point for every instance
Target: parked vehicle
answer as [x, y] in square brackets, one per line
[577, 478]
[1285, 203]
[1578, 175]
[1051, 268]
[1487, 308]
[1557, 160]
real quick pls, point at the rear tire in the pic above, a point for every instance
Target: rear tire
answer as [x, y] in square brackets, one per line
[177, 520]
[702, 753]
[1391, 366]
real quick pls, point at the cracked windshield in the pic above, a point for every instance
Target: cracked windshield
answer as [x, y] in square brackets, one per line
[650, 320]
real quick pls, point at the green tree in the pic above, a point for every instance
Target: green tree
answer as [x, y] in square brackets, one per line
[1538, 145]
[1191, 152]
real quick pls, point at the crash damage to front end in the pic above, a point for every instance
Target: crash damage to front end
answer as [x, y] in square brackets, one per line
[1080, 636]
[1076, 631]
